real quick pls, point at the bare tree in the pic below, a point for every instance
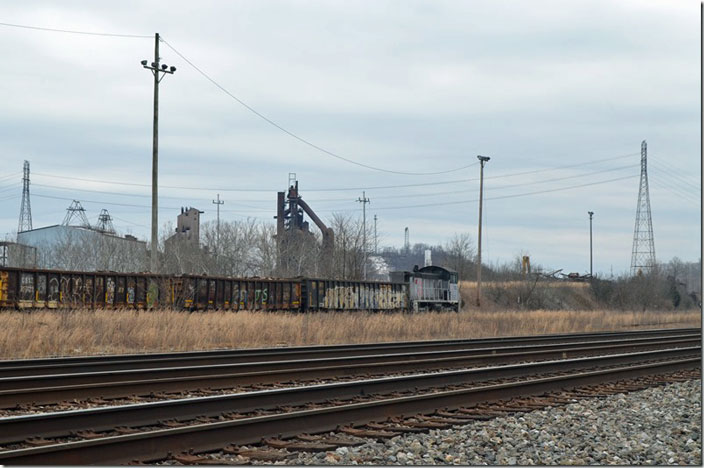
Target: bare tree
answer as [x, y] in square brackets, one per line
[459, 255]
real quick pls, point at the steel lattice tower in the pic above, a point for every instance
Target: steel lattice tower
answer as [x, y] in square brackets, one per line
[643, 254]
[25, 223]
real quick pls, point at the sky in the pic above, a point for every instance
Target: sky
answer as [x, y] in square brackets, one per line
[558, 94]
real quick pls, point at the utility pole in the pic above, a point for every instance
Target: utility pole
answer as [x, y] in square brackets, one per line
[217, 231]
[156, 68]
[376, 239]
[482, 161]
[364, 200]
[591, 271]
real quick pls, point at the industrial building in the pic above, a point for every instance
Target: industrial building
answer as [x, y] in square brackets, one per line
[17, 255]
[82, 248]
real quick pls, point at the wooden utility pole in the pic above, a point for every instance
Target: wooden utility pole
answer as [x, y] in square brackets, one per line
[156, 68]
[364, 200]
[154, 262]
[591, 270]
[482, 160]
[217, 228]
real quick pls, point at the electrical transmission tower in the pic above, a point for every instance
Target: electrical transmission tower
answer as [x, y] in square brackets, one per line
[77, 210]
[25, 223]
[643, 254]
[105, 222]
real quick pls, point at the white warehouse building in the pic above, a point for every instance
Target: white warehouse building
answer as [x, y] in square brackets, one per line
[79, 248]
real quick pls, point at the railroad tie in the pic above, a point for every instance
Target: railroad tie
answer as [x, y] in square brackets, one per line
[89, 435]
[337, 440]
[394, 427]
[380, 434]
[452, 421]
[191, 459]
[172, 423]
[38, 442]
[259, 453]
[122, 430]
[304, 446]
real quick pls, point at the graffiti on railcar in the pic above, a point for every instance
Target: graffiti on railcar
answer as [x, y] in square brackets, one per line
[261, 296]
[110, 290]
[54, 290]
[26, 287]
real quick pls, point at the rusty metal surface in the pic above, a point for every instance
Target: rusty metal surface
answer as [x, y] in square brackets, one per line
[53, 388]
[159, 444]
[45, 366]
[18, 428]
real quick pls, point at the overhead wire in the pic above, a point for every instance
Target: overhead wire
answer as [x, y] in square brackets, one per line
[70, 31]
[240, 202]
[100, 202]
[675, 175]
[501, 197]
[299, 138]
[241, 102]
[340, 189]
[675, 190]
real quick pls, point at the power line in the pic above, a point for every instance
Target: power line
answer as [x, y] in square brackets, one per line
[130, 205]
[299, 138]
[122, 194]
[339, 189]
[418, 195]
[673, 189]
[674, 175]
[69, 31]
[506, 196]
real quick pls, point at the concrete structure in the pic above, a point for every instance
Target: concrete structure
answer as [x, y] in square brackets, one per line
[188, 225]
[84, 249]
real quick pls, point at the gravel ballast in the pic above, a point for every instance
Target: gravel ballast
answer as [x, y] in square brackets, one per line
[659, 426]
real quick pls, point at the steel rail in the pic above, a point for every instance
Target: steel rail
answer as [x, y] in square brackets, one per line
[19, 428]
[133, 361]
[158, 444]
[111, 366]
[33, 380]
[50, 389]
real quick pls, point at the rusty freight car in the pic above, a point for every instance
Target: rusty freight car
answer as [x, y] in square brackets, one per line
[35, 289]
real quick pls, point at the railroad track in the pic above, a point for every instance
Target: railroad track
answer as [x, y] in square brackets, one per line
[155, 431]
[18, 391]
[64, 365]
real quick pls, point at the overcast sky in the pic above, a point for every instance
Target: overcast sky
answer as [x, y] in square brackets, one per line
[403, 86]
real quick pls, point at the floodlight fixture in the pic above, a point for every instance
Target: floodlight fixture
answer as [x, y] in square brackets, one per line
[144, 63]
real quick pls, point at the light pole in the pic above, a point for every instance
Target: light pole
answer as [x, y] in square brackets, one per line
[591, 271]
[482, 161]
[156, 68]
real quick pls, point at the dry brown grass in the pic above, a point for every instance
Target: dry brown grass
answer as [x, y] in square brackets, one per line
[81, 332]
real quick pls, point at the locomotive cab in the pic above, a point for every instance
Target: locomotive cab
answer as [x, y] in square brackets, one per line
[431, 288]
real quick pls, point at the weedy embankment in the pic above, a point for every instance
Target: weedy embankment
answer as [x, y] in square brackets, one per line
[81, 332]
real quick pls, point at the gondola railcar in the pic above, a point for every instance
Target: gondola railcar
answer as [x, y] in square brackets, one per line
[52, 289]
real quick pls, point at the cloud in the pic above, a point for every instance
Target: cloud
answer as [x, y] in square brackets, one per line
[412, 86]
